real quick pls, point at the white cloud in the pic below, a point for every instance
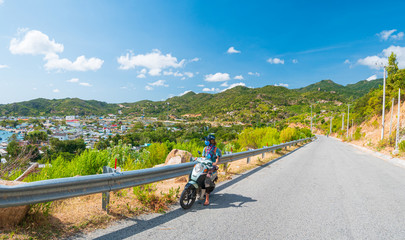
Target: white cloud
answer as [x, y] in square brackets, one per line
[73, 80]
[36, 43]
[195, 59]
[154, 61]
[281, 85]
[34, 88]
[275, 61]
[1, 2]
[81, 63]
[55, 90]
[185, 92]
[168, 73]
[189, 74]
[254, 74]
[217, 77]
[141, 75]
[148, 88]
[200, 85]
[4, 66]
[85, 84]
[235, 85]
[294, 61]
[374, 62]
[347, 61]
[155, 72]
[399, 51]
[377, 61]
[232, 50]
[225, 84]
[239, 77]
[373, 77]
[399, 36]
[389, 35]
[210, 90]
[177, 74]
[159, 83]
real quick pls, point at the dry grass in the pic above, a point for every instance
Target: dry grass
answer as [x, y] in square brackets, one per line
[84, 214]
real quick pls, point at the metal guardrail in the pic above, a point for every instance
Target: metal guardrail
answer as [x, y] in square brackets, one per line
[62, 188]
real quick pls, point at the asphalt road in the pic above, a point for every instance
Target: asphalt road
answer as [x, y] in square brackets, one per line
[324, 190]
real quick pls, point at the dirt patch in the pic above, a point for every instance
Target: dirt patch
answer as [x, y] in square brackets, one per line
[371, 132]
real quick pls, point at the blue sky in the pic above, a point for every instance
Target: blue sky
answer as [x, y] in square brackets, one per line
[126, 51]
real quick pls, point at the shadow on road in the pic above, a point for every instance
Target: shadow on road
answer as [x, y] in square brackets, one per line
[227, 200]
[219, 200]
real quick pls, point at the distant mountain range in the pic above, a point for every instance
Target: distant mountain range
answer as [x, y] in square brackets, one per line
[238, 102]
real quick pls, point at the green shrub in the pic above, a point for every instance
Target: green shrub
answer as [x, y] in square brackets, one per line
[401, 146]
[146, 195]
[357, 134]
[287, 134]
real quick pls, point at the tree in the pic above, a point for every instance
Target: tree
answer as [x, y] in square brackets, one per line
[392, 69]
[70, 146]
[13, 148]
[392, 64]
[36, 137]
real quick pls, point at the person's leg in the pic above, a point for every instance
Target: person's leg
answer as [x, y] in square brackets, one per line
[207, 199]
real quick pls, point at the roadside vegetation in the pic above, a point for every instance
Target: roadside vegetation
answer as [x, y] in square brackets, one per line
[70, 158]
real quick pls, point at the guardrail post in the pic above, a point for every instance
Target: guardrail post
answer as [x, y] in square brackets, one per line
[248, 160]
[226, 167]
[263, 155]
[106, 195]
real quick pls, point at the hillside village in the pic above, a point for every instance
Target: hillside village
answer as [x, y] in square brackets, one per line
[90, 128]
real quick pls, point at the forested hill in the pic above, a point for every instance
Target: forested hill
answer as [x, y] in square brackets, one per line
[61, 107]
[239, 103]
[351, 90]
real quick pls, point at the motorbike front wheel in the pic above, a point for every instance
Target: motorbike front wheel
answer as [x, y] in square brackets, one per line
[187, 197]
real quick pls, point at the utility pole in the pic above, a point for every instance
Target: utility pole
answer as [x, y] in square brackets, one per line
[352, 128]
[311, 118]
[343, 121]
[348, 119]
[399, 108]
[392, 110]
[330, 129]
[383, 106]
[383, 110]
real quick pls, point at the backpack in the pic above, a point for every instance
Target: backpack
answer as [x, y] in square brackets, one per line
[212, 153]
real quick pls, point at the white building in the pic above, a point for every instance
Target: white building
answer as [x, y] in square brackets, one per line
[61, 136]
[3, 152]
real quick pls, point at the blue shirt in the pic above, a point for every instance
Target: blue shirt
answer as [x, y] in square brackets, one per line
[212, 152]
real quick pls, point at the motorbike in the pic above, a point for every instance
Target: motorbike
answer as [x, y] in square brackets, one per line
[198, 182]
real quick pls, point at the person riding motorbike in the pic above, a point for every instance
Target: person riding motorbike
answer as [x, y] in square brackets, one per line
[214, 154]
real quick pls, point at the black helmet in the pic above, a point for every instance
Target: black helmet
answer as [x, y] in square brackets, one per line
[210, 137]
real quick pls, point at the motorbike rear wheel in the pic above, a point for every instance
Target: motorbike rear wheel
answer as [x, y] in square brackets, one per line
[188, 197]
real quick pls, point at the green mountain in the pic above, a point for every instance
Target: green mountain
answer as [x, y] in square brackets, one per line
[351, 90]
[61, 107]
[237, 104]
